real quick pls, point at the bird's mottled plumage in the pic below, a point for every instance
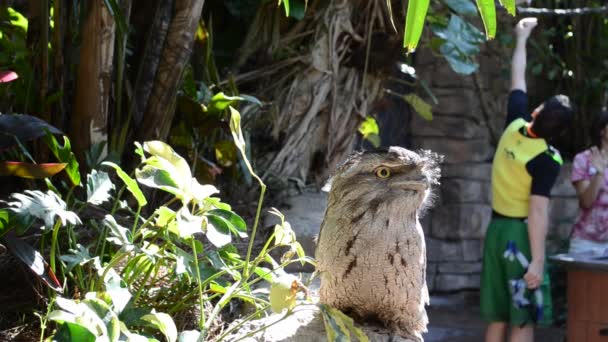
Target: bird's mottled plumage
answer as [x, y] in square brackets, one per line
[371, 252]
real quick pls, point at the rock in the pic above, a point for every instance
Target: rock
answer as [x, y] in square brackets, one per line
[449, 127]
[442, 251]
[563, 209]
[465, 191]
[460, 267]
[431, 272]
[476, 171]
[461, 221]
[455, 150]
[454, 282]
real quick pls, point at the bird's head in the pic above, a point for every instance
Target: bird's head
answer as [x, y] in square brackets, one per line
[383, 176]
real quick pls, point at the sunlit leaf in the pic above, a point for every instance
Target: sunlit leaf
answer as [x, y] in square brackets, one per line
[118, 234]
[236, 224]
[45, 206]
[283, 293]
[164, 323]
[189, 336]
[487, 10]
[220, 102]
[339, 326]
[283, 234]
[72, 332]
[117, 289]
[29, 170]
[131, 184]
[414, 23]
[169, 158]
[188, 224]
[65, 155]
[99, 187]
[218, 231]
[79, 256]
[509, 5]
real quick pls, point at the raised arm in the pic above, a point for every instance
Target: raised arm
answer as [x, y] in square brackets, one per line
[518, 63]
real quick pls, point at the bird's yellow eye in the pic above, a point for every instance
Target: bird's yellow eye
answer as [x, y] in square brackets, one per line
[383, 172]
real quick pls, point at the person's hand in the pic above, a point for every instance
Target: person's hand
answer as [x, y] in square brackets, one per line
[524, 27]
[598, 160]
[534, 276]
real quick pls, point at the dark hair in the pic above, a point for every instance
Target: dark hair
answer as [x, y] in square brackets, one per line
[596, 129]
[553, 117]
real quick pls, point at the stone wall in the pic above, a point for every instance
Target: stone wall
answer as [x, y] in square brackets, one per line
[467, 123]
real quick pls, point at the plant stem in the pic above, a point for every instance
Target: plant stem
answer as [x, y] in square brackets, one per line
[201, 323]
[248, 318]
[254, 230]
[54, 244]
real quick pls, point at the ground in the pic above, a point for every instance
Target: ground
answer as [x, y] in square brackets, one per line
[455, 318]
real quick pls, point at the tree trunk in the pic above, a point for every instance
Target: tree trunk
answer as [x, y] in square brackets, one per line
[90, 112]
[176, 52]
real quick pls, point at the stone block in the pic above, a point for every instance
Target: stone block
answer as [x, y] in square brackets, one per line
[461, 221]
[480, 171]
[456, 282]
[455, 150]
[563, 210]
[445, 77]
[454, 190]
[448, 126]
[453, 251]
[563, 187]
[460, 267]
[431, 273]
[460, 102]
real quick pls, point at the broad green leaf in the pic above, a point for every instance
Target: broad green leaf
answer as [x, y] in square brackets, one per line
[29, 170]
[79, 256]
[487, 10]
[118, 235]
[419, 105]
[509, 5]
[283, 293]
[217, 231]
[414, 23]
[164, 323]
[188, 224]
[130, 183]
[168, 158]
[64, 154]
[17, 19]
[157, 178]
[369, 126]
[5, 221]
[99, 187]
[118, 291]
[106, 315]
[47, 207]
[464, 7]
[189, 336]
[236, 224]
[72, 332]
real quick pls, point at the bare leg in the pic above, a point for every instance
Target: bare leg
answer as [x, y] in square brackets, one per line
[525, 334]
[496, 332]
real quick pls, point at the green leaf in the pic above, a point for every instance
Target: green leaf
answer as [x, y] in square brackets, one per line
[169, 159]
[297, 9]
[236, 224]
[461, 41]
[488, 15]
[106, 315]
[99, 186]
[79, 256]
[118, 234]
[369, 126]
[220, 102]
[5, 221]
[21, 127]
[64, 154]
[29, 170]
[117, 289]
[509, 5]
[130, 183]
[164, 323]
[218, 231]
[283, 234]
[188, 224]
[414, 23]
[239, 141]
[420, 106]
[73, 332]
[339, 326]
[189, 336]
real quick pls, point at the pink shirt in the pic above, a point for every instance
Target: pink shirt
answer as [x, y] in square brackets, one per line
[592, 223]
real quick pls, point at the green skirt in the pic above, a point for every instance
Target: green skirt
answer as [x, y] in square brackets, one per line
[506, 244]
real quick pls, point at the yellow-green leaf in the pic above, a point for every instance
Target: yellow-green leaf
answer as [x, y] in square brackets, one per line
[283, 293]
[420, 106]
[509, 5]
[487, 10]
[414, 22]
